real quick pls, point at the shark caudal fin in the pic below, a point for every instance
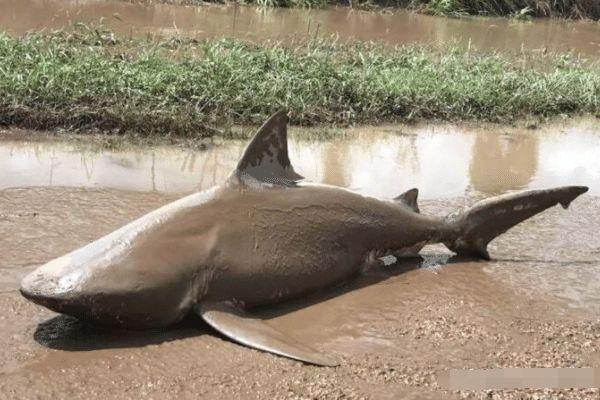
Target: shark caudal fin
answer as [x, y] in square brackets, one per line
[472, 229]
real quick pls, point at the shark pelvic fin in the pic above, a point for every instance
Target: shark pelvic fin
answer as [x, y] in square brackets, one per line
[409, 199]
[239, 326]
[266, 160]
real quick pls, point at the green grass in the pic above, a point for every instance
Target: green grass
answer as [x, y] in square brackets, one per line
[518, 8]
[91, 80]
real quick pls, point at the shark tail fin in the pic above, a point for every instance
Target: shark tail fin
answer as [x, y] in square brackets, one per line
[472, 229]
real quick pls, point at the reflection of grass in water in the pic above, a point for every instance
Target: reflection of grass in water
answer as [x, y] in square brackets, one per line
[291, 3]
[321, 134]
[92, 79]
[310, 134]
[262, 3]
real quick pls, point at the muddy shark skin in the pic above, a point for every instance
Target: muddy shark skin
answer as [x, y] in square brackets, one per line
[259, 239]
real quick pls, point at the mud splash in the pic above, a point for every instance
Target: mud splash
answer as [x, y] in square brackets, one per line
[209, 21]
[376, 161]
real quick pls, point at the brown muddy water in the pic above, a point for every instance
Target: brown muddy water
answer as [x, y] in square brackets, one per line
[535, 304]
[258, 24]
[443, 161]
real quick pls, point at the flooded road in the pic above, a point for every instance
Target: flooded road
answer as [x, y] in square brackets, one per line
[394, 331]
[213, 21]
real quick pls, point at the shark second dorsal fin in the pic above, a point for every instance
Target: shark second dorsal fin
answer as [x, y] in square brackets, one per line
[409, 199]
[266, 160]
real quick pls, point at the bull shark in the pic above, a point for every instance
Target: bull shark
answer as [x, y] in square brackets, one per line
[260, 238]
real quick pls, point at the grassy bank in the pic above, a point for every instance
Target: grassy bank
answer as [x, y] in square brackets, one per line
[511, 8]
[90, 79]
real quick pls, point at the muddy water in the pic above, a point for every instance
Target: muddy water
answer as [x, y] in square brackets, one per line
[209, 21]
[444, 161]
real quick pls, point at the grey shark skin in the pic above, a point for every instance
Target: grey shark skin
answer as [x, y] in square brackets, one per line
[257, 240]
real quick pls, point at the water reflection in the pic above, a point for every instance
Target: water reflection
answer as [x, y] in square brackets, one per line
[335, 158]
[501, 162]
[210, 21]
[443, 161]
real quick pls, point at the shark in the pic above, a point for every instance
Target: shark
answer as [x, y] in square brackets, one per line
[262, 237]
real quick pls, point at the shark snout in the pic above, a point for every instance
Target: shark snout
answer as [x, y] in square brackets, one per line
[49, 286]
[41, 290]
[47, 300]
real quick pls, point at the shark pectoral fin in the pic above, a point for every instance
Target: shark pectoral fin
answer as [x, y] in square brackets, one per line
[265, 160]
[243, 328]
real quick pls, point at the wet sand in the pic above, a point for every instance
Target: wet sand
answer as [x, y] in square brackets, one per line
[394, 331]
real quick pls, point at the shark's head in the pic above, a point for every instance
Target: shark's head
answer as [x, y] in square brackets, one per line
[115, 294]
[143, 275]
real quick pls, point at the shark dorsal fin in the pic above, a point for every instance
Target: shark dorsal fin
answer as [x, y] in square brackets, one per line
[266, 160]
[409, 199]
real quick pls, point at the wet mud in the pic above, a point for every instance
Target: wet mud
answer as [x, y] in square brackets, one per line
[394, 330]
[281, 24]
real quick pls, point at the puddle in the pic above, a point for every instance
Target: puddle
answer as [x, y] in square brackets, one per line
[443, 161]
[213, 21]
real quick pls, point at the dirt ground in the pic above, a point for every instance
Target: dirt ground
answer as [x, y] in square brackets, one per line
[394, 331]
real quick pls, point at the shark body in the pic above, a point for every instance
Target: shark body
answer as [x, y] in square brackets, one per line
[259, 239]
